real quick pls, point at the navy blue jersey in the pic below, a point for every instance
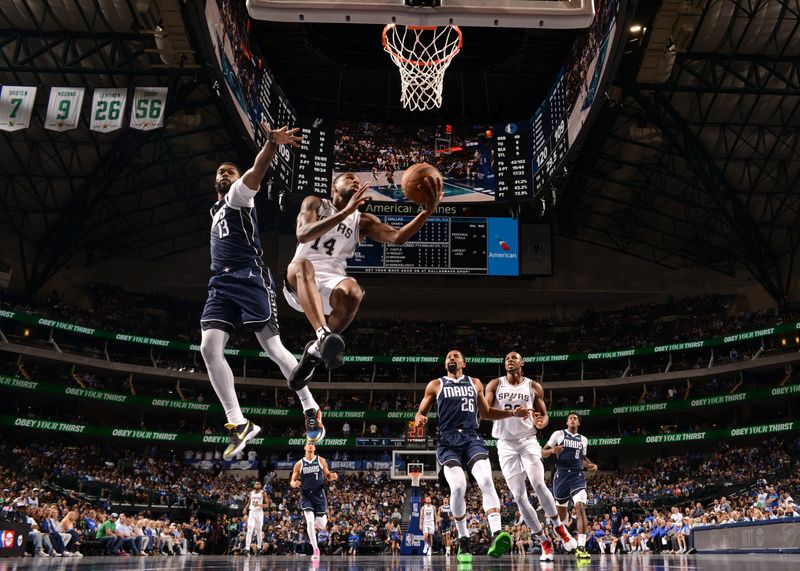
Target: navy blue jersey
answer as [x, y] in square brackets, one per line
[445, 512]
[235, 242]
[457, 404]
[575, 445]
[312, 480]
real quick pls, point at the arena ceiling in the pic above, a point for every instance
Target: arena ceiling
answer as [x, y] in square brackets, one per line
[693, 162]
[696, 159]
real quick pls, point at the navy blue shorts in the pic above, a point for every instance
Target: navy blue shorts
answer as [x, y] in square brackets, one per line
[567, 484]
[460, 449]
[317, 503]
[241, 297]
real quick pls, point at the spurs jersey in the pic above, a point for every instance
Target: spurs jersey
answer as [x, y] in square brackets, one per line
[457, 405]
[336, 246]
[428, 515]
[509, 397]
[256, 501]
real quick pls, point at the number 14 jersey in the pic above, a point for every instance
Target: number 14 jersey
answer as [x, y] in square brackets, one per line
[331, 251]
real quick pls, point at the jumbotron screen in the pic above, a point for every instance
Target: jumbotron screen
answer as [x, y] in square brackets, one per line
[445, 245]
[380, 153]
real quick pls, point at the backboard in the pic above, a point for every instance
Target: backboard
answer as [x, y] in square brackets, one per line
[564, 14]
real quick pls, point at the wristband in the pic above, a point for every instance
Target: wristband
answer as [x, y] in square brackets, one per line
[270, 137]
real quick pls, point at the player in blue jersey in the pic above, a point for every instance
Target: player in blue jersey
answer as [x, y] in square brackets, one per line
[460, 402]
[310, 474]
[569, 481]
[241, 291]
[445, 524]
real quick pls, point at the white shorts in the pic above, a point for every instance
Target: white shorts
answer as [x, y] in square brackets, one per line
[255, 521]
[516, 455]
[429, 528]
[580, 497]
[327, 279]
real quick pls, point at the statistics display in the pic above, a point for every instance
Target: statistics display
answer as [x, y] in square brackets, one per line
[512, 145]
[445, 245]
[549, 135]
[257, 97]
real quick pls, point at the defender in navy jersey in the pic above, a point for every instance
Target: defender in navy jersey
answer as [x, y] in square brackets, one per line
[310, 474]
[569, 481]
[328, 233]
[445, 523]
[241, 291]
[460, 403]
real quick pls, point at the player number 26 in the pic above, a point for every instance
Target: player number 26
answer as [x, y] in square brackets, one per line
[467, 405]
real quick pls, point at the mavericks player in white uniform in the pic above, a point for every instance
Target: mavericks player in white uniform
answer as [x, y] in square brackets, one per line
[519, 451]
[328, 233]
[428, 517]
[254, 510]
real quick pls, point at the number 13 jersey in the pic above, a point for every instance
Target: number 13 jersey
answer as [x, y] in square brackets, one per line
[331, 251]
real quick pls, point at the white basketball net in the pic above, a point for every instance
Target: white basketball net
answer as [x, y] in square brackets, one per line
[422, 54]
[415, 478]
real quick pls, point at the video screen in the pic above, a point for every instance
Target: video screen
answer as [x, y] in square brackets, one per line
[379, 154]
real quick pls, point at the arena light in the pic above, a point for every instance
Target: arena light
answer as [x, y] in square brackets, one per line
[27, 333]
[636, 28]
[783, 342]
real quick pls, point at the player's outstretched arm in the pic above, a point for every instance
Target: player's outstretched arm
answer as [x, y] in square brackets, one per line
[421, 418]
[552, 446]
[540, 417]
[386, 233]
[310, 227]
[294, 481]
[284, 136]
[327, 474]
[487, 412]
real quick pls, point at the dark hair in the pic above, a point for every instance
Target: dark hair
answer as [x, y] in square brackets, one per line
[459, 351]
[575, 413]
[234, 165]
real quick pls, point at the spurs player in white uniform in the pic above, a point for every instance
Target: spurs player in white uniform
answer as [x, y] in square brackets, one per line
[254, 509]
[519, 451]
[328, 233]
[428, 517]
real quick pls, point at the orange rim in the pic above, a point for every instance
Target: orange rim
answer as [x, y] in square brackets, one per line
[421, 63]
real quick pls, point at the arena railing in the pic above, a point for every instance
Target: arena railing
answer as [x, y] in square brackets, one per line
[27, 385]
[153, 436]
[786, 328]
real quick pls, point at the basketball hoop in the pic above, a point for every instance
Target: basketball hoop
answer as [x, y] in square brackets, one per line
[416, 476]
[422, 54]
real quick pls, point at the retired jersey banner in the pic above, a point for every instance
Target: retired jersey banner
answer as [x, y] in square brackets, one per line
[16, 106]
[108, 107]
[64, 108]
[148, 108]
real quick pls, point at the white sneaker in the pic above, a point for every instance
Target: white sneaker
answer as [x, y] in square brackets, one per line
[44, 554]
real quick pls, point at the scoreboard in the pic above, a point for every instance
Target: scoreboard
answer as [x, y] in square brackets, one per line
[445, 245]
[512, 147]
[314, 158]
[549, 135]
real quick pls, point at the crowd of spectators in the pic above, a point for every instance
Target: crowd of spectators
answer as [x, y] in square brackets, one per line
[653, 506]
[683, 319]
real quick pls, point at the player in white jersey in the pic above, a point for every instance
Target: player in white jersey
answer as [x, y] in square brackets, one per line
[428, 516]
[519, 451]
[328, 233]
[254, 510]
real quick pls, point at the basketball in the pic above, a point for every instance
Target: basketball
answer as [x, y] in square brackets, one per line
[413, 183]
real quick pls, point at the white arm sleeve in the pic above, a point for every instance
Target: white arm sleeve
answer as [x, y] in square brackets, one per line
[555, 439]
[240, 195]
